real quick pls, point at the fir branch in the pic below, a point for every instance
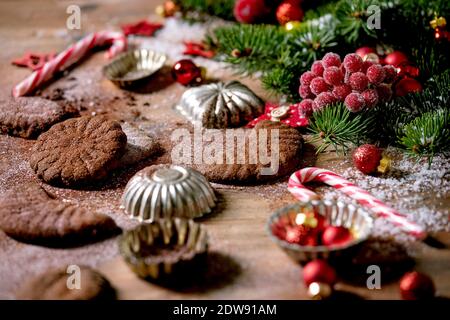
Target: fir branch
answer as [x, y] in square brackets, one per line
[394, 115]
[352, 16]
[427, 135]
[259, 46]
[314, 38]
[199, 10]
[336, 126]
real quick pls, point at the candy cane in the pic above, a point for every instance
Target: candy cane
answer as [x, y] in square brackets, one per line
[68, 57]
[296, 187]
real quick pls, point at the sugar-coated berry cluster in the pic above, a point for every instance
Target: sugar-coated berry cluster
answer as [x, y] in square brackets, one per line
[358, 84]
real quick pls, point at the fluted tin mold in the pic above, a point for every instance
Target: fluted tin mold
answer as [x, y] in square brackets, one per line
[220, 105]
[132, 67]
[166, 191]
[165, 249]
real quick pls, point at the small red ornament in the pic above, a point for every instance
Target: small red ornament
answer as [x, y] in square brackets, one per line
[364, 51]
[250, 11]
[336, 236]
[141, 28]
[187, 72]
[416, 286]
[197, 49]
[407, 85]
[407, 70]
[396, 58]
[366, 158]
[34, 61]
[289, 11]
[319, 271]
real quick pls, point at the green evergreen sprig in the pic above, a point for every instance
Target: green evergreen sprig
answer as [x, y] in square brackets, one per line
[201, 9]
[427, 135]
[393, 116]
[337, 127]
[353, 18]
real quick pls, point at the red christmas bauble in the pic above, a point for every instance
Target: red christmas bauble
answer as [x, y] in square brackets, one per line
[186, 72]
[407, 85]
[415, 285]
[250, 11]
[366, 158]
[396, 58]
[319, 271]
[289, 11]
[408, 70]
[335, 236]
[364, 51]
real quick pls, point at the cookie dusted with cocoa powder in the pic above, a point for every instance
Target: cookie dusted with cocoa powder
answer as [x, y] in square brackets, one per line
[56, 285]
[28, 117]
[29, 214]
[267, 152]
[78, 152]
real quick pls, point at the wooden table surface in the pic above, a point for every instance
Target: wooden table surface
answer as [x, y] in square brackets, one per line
[244, 263]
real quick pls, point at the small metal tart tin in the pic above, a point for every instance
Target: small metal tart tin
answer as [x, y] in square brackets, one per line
[166, 191]
[133, 66]
[165, 248]
[220, 105]
[336, 213]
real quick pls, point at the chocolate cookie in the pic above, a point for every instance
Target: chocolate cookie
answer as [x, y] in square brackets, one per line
[78, 152]
[254, 155]
[27, 117]
[61, 284]
[29, 214]
[140, 146]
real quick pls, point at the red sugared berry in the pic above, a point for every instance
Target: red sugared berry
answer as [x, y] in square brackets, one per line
[366, 65]
[333, 76]
[353, 62]
[306, 107]
[318, 85]
[354, 102]
[306, 78]
[358, 81]
[342, 91]
[331, 60]
[317, 68]
[390, 72]
[370, 97]
[384, 92]
[305, 92]
[375, 74]
[324, 99]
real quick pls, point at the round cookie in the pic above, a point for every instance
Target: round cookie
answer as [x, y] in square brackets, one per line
[53, 285]
[243, 169]
[29, 214]
[78, 152]
[28, 117]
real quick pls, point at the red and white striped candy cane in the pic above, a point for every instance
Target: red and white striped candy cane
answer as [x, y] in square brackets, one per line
[71, 55]
[296, 187]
